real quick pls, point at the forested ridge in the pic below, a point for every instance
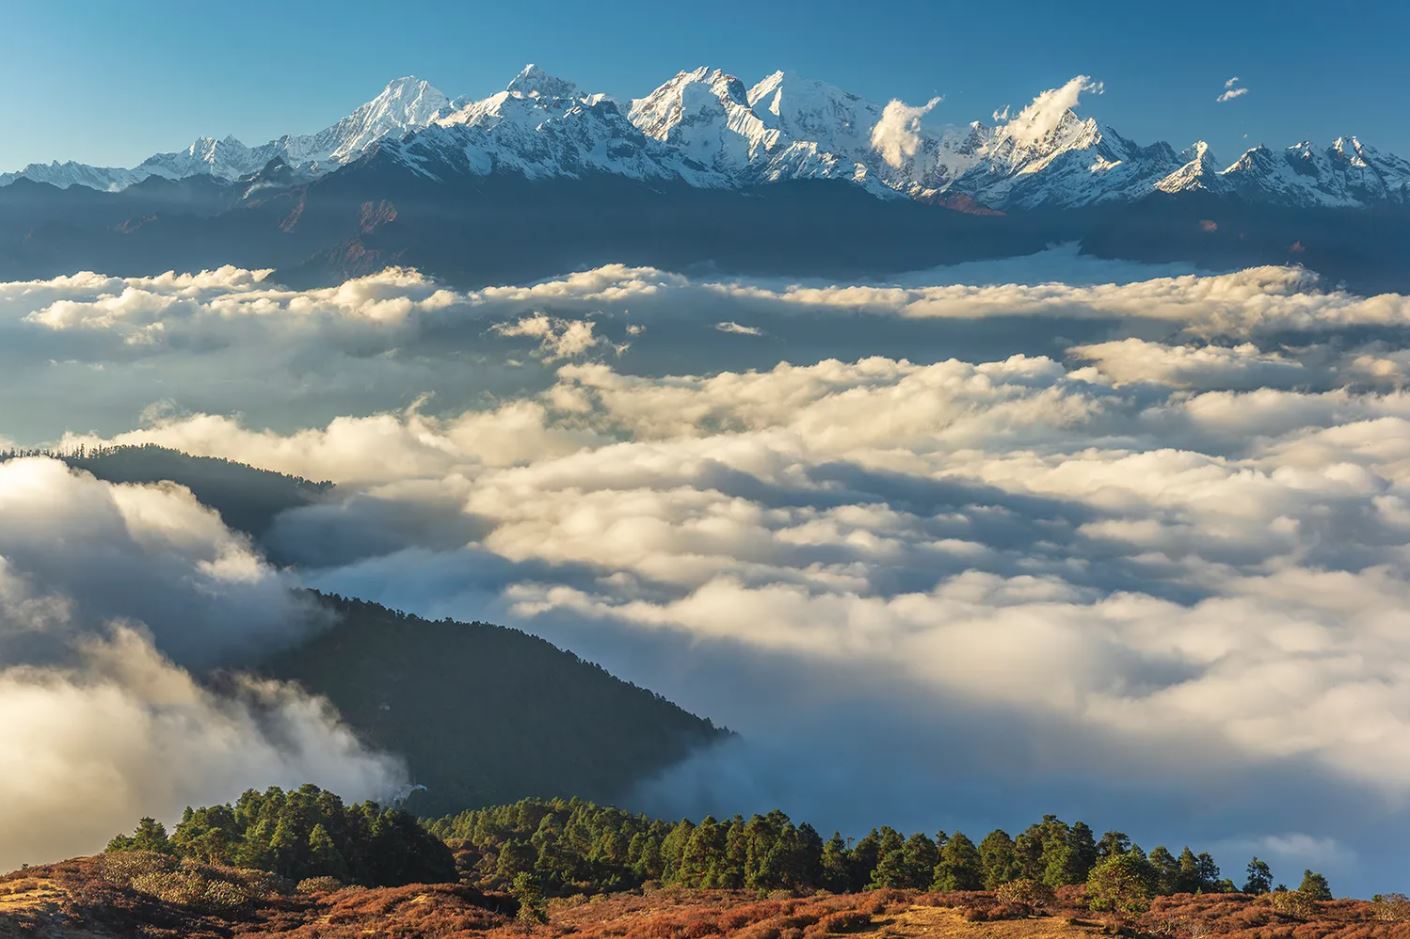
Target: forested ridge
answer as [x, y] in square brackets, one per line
[485, 714]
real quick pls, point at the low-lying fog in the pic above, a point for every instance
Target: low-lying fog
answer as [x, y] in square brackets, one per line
[1048, 535]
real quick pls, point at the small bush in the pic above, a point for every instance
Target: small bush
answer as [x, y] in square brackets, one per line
[1030, 896]
[760, 931]
[186, 882]
[844, 921]
[258, 883]
[323, 884]
[192, 888]
[1391, 907]
[1293, 903]
[120, 867]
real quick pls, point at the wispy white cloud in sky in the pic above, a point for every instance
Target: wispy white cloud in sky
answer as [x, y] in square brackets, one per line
[1232, 89]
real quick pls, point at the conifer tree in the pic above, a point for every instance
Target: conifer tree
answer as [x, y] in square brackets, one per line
[1260, 877]
[836, 872]
[1314, 886]
[1166, 870]
[996, 853]
[891, 868]
[324, 858]
[961, 867]
[920, 858]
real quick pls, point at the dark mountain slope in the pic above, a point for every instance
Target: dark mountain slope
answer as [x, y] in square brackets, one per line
[481, 713]
[247, 498]
[485, 714]
[472, 229]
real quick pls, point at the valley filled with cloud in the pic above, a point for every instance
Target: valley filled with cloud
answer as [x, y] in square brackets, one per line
[1103, 539]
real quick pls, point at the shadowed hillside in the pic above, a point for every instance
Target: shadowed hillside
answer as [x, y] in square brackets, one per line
[247, 497]
[485, 714]
[482, 714]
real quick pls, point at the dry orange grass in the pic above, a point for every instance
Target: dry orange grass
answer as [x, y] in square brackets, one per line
[77, 900]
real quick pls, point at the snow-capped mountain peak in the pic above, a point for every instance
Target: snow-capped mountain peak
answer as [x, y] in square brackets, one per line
[534, 82]
[705, 114]
[806, 109]
[705, 127]
[1199, 170]
[407, 103]
[1346, 173]
[1047, 127]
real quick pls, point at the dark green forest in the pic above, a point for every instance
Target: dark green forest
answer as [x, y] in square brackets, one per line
[561, 847]
[573, 846]
[306, 832]
[560, 726]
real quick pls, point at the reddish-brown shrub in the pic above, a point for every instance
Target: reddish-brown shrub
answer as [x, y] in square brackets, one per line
[1391, 908]
[843, 921]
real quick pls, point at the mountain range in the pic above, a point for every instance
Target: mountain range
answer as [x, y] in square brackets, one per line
[706, 128]
[788, 177]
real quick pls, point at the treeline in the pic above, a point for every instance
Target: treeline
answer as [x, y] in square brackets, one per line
[83, 454]
[303, 833]
[562, 847]
[572, 846]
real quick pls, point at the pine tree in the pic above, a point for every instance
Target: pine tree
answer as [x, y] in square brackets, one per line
[1208, 873]
[673, 851]
[1112, 843]
[1083, 856]
[920, 857]
[836, 871]
[1260, 877]
[324, 858]
[704, 855]
[865, 855]
[1028, 851]
[961, 866]
[1166, 870]
[525, 889]
[891, 861]
[150, 835]
[515, 858]
[736, 854]
[996, 853]
[809, 847]
[1188, 879]
[1314, 886]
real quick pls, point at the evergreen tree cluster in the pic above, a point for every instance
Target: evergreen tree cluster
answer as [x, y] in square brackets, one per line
[301, 833]
[572, 846]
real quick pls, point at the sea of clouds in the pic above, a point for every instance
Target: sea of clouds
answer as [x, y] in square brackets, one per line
[1050, 534]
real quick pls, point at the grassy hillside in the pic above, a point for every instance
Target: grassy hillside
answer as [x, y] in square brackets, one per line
[485, 714]
[87, 898]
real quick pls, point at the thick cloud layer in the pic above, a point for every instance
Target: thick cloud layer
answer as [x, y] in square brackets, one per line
[107, 595]
[1129, 545]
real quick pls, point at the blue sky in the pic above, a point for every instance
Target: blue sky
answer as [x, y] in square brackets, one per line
[109, 82]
